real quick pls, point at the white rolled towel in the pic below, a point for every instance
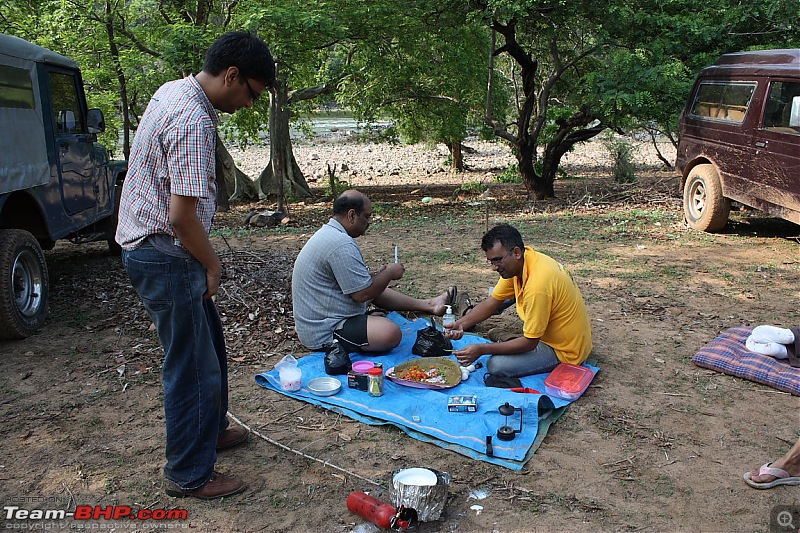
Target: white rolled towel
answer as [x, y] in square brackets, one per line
[772, 349]
[770, 340]
[772, 334]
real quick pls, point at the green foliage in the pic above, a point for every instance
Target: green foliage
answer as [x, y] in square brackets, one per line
[388, 135]
[423, 63]
[636, 87]
[473, 187]
[448, 161]
[425, 75]
[340, 185]
[510, 175]
[659, 49]
[621, 151]
[184, 47]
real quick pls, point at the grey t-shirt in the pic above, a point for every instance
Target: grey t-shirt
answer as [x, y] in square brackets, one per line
[328, 269]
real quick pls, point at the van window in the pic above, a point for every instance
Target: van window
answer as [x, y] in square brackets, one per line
[779, 106]
[726, 101]
[16, 88]
[66, 106]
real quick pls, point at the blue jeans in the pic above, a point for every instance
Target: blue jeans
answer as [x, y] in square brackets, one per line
[195, 372]
[538, 361]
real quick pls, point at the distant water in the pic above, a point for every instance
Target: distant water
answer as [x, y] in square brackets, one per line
[320, 126]
[326, 125]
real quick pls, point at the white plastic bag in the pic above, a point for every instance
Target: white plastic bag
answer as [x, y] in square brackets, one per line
[290, 374]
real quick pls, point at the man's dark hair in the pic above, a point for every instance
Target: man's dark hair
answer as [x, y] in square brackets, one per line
[245, 51]
[508, 236]
[348, 200]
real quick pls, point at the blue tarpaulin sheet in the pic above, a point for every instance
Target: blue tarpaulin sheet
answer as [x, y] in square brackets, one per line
[422, 413]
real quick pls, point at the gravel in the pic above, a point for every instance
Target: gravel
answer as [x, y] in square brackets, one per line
[367, 163]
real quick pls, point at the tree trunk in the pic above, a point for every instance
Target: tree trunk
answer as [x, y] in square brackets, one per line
[532, 114]
[123, 84]
[223, 197]
[550, 162]
[282, 175]
[268, 181]
[456, 155]
[666, 162]
[536, 186]
[230, 178]
[565, 138]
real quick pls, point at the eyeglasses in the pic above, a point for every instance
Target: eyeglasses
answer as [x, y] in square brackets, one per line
[253, 95]
[495, 261]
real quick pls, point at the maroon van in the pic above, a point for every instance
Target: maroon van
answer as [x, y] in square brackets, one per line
[740, 138]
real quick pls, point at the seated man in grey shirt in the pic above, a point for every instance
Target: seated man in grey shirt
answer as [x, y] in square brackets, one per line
[331, 286]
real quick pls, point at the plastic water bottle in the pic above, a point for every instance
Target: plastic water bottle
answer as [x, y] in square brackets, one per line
[448, 319]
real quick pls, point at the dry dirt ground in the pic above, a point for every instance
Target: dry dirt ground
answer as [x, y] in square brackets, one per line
[656, 443]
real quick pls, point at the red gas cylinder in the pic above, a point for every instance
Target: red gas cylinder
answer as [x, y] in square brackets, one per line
[381, 513]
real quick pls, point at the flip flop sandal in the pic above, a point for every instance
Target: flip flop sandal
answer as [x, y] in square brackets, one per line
[500, 334]
[783, 477]
[463, 305]
[452, 296]
[467, 308]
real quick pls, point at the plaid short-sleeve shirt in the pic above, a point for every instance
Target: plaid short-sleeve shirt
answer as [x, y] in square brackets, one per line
[173, 152]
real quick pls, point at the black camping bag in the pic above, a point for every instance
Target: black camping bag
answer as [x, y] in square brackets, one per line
[431, 343]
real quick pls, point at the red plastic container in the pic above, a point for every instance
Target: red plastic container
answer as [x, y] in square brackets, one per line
[568, 381]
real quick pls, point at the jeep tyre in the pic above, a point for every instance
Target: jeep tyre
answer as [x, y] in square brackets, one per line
[704, 206]
[24, 285]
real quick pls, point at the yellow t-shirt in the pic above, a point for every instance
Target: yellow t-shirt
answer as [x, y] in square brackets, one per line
[550, 305]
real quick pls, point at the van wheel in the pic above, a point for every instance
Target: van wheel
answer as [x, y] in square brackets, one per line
[24, 285]
[704, 207]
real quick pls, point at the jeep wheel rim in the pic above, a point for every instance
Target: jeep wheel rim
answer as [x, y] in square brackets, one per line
[26, 280]
[697, 199]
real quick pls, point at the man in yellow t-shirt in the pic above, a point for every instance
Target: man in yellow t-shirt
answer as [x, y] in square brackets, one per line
[555, 326]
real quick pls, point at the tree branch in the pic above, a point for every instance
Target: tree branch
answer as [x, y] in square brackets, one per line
[135, 40]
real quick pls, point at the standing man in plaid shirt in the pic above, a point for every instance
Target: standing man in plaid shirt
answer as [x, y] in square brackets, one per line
[168, 202]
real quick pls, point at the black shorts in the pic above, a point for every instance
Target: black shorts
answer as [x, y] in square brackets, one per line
[352, 334]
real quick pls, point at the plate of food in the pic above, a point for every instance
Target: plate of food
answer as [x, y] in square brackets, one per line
[426, 373]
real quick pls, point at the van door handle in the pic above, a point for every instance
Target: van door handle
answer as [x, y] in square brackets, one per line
[761, 144]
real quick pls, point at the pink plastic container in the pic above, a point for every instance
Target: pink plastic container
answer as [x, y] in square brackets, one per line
[362, 367]
[568, 381]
